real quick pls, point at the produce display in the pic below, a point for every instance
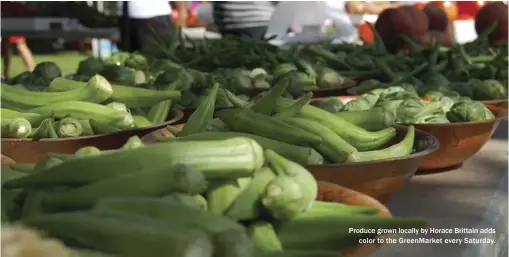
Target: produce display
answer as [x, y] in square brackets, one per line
[185, 198]
[300, 132]
[233, 180]
[57, 107]
[405, 106]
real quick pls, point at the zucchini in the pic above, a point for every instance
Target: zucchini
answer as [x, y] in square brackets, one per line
[96, 90]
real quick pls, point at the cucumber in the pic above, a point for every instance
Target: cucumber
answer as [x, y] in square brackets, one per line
[97, 90]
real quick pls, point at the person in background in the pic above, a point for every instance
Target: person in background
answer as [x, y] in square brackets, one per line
[23, 50]
[141, 19]
[246, 18]
[11, 9]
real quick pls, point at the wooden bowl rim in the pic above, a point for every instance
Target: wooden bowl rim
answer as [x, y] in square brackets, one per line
[431, 147]
[176, 113]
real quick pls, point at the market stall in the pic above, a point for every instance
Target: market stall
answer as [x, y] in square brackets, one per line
[239, 147]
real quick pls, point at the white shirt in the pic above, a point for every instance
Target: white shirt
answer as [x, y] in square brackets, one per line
[146, 9]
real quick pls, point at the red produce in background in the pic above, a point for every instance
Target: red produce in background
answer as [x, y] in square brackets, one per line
[491, 12]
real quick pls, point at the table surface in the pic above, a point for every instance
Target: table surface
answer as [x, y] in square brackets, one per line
[454, 199]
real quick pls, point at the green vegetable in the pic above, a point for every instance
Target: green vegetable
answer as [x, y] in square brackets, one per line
[47, 71]
[374, 119]
[68, 127]
[292, 191]
[128, 235]
[16, 128]
[84, 111]
[330, 104]
[221, 196]
[364, 102]
[246, 120]
[202, 116]
[264, 237]
[213, 158]
[122, 74]
[299, 154]
[465, 111]
[34, 118]
[333, 146]
[151, 182]
[168, 211]
[90, 66]
[248, 204]
[97, 90]
[136, 61]
[358, 137]
[411, 109]
[42, 131]
[403, 148]
[489, 90]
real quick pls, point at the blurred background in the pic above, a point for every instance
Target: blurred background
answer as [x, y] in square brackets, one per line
[65, 32]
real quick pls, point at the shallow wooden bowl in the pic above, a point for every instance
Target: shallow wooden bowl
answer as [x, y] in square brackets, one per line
[330, 192]
[378, 179]
[28, 151]
[503, 103]
[459, 141]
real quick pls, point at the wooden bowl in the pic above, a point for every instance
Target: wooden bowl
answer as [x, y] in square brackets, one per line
[330, 192]
[28, 151]
[378, 179]
[497, 103]
[459, 141]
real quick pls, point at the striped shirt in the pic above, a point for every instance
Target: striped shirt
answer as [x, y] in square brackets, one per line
[242, 14]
